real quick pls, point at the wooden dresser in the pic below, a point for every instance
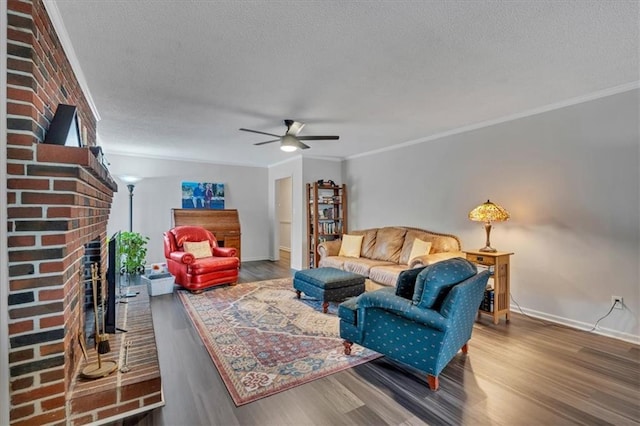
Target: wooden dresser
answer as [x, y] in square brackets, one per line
[224, 224]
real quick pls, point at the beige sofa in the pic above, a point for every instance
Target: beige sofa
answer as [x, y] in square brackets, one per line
[385, 253]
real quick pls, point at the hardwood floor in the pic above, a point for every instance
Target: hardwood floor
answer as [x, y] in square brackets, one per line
[521, 373]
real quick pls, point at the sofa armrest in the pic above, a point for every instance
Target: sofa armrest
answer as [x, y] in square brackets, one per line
[430, 259]
[329, 248]
[386, 299]
[224, 251]
[182, 257]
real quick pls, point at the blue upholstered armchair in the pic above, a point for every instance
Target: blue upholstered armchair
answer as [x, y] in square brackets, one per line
[424, 321]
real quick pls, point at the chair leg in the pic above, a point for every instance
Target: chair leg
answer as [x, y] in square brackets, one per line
[298, 293]
[465, 348]
[433, 382]
[347, 347]
[325, 307]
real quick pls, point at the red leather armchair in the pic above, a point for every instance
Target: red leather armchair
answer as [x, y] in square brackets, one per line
[197, 274]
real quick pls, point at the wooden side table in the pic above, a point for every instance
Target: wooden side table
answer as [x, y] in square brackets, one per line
[498, 262]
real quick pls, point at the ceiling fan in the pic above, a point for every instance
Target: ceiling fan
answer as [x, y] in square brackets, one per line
[290, 141]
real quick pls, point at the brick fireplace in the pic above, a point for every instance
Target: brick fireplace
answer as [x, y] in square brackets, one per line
[58, 201]
[60, 204]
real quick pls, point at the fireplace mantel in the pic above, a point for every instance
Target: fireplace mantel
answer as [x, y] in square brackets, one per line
[82, 157]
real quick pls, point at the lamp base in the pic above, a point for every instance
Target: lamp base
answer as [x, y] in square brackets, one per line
[487, 245]
[488, 249]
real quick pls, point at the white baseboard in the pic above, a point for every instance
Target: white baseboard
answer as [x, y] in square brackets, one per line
[254, 258]
[627, 337]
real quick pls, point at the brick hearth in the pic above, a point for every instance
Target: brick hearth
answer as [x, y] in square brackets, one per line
[122, 394]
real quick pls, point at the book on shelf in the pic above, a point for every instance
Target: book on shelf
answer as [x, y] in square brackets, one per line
[329, 228]
[487, 301]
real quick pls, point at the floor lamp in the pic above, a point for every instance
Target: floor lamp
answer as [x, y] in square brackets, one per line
[130, 187]
[131, 181]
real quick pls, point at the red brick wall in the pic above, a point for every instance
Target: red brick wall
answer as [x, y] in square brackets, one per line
[58, 200]
[39, 78]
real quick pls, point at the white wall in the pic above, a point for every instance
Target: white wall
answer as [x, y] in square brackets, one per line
[160, 191]
[570, 179]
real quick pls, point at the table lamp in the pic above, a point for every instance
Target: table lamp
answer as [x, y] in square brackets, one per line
[488, 212]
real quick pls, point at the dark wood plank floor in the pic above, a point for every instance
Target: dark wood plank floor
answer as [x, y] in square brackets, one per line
[521, 373]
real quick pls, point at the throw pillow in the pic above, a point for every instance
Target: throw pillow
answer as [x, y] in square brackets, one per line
[198, 250]
[435, 281]
[351, 245]
[420, 248]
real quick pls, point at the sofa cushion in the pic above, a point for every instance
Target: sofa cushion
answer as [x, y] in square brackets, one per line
[351, 245]
[442, 243]
[389, 242]
[387, 274]
[332, 262]
[199, 249]
[362, 265]
[406, 282]
[435, 280]
[368, 241]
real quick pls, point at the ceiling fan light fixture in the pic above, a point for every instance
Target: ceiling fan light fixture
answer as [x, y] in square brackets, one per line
[287, 148]
[288, 143]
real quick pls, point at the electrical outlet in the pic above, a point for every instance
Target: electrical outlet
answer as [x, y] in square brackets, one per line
[617, 302]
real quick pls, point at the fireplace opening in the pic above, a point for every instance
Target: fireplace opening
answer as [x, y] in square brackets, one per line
[92, 256]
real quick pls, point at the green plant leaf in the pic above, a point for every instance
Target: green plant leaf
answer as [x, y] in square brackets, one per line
[132, 252]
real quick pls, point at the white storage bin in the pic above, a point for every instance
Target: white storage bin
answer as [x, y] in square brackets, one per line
[160, 285]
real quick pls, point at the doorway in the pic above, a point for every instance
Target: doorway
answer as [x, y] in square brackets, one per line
[284, 213]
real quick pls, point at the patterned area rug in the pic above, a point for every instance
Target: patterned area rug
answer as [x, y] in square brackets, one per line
[263, 340]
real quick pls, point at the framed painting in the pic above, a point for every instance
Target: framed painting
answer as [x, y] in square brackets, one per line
[202, 195]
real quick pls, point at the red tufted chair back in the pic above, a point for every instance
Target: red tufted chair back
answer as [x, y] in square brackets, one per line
[174, 239]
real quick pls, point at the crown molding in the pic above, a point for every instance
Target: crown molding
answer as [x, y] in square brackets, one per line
[288, 160]
[67, 46]
[627, 87]
[108, 152]
[324, 158]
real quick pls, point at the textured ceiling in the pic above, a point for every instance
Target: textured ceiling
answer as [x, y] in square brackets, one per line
[178, 78]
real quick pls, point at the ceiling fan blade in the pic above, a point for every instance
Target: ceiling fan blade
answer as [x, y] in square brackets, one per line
[261, 133]
[293, 127]
[317, 138]
[266, 142]
[302, 145]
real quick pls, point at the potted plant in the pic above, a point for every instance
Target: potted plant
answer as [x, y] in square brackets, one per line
[133, 252]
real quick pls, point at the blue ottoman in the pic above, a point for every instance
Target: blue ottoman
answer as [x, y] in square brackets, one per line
[328, 285]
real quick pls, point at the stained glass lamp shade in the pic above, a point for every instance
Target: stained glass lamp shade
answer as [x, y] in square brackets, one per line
[488, 212]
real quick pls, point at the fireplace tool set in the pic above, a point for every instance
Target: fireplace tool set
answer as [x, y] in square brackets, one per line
[101, 368]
